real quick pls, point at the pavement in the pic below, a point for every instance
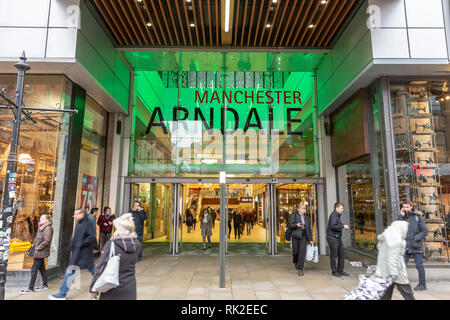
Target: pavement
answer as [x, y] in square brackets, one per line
[251, 274]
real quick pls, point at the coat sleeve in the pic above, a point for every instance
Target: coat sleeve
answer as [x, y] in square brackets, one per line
[48, 234]
[89, 236]
[100, 264]
[99, 220]
[423, 231]
[143, 215]
[309, 231]
[402, 218]
[292, 224]
[335, 223]
[394, 260]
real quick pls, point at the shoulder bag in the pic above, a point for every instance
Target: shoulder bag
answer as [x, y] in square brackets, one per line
[110, 276]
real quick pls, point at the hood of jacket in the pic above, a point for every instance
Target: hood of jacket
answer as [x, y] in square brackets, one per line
[396, 233]
[126, 244]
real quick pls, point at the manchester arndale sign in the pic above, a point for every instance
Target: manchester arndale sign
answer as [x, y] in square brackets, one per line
[230, 127]
[238, 97]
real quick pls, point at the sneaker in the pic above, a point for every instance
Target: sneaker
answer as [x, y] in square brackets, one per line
[56, 296]
[26, 291]
[345, 274]
[335, 274]
[300, 272]
[41, 288]
[420, 287]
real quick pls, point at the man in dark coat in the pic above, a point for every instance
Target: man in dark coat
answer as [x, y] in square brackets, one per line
[334, 239]
[237, 220]
[301, 233]
[417, 231]
[82, 256]
[139, 216]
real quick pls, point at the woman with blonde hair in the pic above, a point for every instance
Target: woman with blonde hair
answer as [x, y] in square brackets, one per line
[128, 247]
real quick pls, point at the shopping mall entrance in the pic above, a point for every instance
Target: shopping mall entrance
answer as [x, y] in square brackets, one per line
[257, 209]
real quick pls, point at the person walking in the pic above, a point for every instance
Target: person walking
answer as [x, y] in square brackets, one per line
[417, 231]
[390, 260]
[248, 221]
[334, 239]
[105, 222]
[300, 225]
[139, 216]
[93, 219]
[206, 224]
[253, 215]
[230, 218]
[41, 251]
[237, 224]
[213, 215]
[128, 247]
[82, 256]
[189, 220]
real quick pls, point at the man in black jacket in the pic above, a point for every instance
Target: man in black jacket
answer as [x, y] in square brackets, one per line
[82, 256]
[417, 231]
[139, 216]
[334, 239]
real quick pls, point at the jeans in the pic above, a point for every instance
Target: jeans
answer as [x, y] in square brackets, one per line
[418, 259]
[249, 227]
[204, 240]
[140, 236]
[38, 264]
[67, 282]
[104, 237]
[405, 290]
[336, 251]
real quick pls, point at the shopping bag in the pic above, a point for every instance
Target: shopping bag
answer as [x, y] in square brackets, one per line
[309, 252]
[110, 276]
[315, 258]
[370, 287]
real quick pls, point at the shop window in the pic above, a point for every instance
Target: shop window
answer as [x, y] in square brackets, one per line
[41, 161]
[92, 157]
[421, 118]
[356, 193]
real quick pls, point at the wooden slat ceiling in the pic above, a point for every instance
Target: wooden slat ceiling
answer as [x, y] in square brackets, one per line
[198, 23]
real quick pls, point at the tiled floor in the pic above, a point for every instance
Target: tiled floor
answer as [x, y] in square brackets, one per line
[250, 274]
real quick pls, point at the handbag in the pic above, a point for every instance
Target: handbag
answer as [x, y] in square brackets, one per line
[288, 233]
[315, 250]
[31, 250]
[109, 278]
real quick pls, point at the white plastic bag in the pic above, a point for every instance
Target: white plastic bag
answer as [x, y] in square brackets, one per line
[309, 252]
[315, 258]
[110, 276]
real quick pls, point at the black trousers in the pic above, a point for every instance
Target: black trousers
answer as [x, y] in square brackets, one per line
[104, 238]
[229, 230]
[38, 264]
[237, 230]
[336, 252]
[299, 251]
[405, 291]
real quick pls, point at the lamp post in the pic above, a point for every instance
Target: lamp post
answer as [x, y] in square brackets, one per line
[6, 215]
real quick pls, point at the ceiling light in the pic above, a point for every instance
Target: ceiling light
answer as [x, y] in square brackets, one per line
[227, 15]
[139, 0]
[274, 1]
[311, 26]
[188, 1]
[192, 25]
[447, 97]
[323, 2]
[268, 25]
[149, 24]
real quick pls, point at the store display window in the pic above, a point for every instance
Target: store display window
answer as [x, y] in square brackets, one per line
[92, 157]
[421, 119]
[40, 160]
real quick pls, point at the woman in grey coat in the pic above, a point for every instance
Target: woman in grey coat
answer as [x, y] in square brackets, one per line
[206, 224]
[391, 250]
[41, 251]
[128, 247]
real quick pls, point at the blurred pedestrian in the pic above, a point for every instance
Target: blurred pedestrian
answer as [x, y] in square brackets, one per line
[390, 260]
[81, 247]
[206, 227]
